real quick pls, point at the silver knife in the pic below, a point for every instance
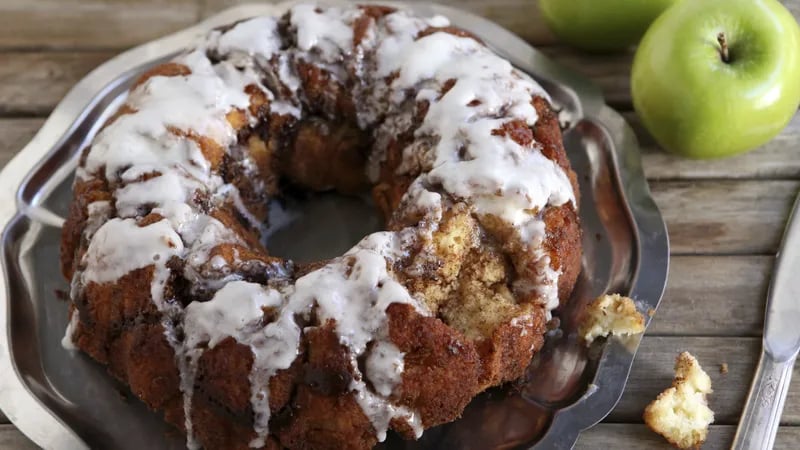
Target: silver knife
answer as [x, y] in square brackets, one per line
[762, 412]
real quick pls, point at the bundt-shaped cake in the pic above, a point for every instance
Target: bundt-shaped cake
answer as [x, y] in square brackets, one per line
[173, 289]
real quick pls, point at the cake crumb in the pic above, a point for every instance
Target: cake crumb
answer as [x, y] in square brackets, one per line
[651, 312]
[611, 314]
[681, 414]
[723, 368]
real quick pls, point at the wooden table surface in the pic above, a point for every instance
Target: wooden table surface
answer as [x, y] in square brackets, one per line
[725, 217]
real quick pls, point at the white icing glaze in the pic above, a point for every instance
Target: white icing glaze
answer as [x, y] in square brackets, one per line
[287, 74]
[168, 188]
[67, 342]
[384, 367]
[402, 30]
[232, 193]
[328, 31]
[96, 215]
[235, 311]
[381, 412]
[255, 37]
[286, 109]
[136, 144]
[499, 176]
[131, 247]
[354, 290]
[455, 146]
[121, 246]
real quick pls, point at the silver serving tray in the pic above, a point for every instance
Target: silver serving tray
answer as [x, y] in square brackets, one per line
[64, 400]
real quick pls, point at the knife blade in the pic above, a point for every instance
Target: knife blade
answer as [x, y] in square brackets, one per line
[780, 345]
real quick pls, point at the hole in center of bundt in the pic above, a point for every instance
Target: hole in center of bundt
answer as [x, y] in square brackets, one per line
[315, 227]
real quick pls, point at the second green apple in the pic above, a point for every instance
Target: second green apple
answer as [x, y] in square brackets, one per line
[601, 25]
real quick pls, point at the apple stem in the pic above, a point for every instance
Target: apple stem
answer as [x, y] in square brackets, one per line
[723, 48]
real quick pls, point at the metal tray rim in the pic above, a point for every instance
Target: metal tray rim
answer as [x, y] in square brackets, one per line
[47, 430]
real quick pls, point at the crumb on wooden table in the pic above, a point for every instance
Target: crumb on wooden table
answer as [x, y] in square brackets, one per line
[723, 368]
[681, 414]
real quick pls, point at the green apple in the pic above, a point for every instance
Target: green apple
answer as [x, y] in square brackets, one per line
[714, 78]
[601, 25]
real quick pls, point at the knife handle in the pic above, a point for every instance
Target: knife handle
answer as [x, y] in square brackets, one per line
[762, 412]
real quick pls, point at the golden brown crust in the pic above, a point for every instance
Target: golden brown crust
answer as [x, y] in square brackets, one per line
[437, 357]
[326, 377]
[547, 133]
[84, 193]
[142, 357]
[563, 244]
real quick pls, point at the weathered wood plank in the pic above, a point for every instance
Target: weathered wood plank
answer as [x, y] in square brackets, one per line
[14, 134]
[604, 435]
[638, 437]
[653, 371]
[776, 159]
[729, 292]
[520, 16]
[725, 216]
[12, 439]
[33, 83]
[64, 24]
[611, 72]
[793, 6]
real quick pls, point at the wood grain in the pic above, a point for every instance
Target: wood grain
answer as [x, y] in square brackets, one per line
[610, 72]
[639, 437]
[14, 134]
[778, 158]
[725, 216]
[33, 83]
[653, 371]
[608, 436]
[11, 438]
[729, 292]
[70, 24]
